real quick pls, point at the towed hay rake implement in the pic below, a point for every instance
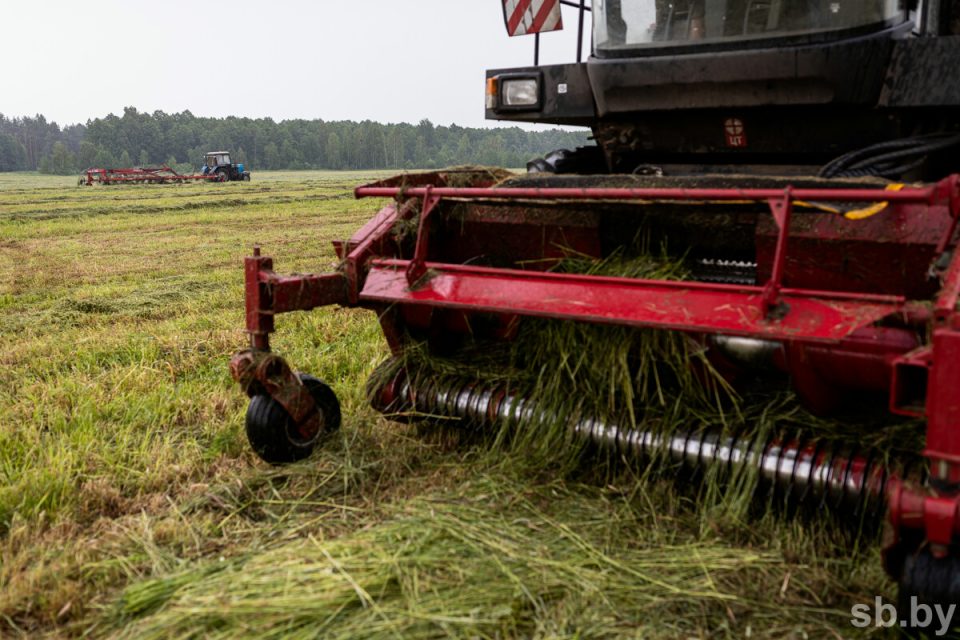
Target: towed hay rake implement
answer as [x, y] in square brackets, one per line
[218, 167]
[822, 261]
[143, 175]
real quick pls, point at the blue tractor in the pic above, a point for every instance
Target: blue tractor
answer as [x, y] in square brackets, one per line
[218, 163]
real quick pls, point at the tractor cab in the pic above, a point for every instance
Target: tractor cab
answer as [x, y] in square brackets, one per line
[218, 162]
[216, 159]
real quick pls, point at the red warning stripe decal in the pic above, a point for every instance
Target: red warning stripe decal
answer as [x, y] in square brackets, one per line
[524, 17]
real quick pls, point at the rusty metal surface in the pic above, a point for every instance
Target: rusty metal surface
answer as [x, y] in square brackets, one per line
[261, 371]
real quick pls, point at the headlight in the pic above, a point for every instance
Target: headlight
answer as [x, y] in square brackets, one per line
[521, 92]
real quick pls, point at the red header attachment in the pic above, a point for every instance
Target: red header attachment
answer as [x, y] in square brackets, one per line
[524, 17]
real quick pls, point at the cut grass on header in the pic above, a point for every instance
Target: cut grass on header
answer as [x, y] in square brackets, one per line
[131, 506]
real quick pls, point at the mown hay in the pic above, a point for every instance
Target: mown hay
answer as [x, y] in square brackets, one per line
[500, 556]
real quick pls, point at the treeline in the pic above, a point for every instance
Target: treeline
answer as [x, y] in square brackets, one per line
[181, 139]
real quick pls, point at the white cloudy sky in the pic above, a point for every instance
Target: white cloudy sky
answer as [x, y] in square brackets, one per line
[386, 60]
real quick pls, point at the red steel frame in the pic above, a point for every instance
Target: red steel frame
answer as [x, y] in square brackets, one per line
[821, 318]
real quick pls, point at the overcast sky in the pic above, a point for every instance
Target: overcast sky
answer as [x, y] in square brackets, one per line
[384, 60]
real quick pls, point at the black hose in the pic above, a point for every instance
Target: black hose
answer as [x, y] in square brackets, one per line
[889, 159]
[885, 170]
[906, 153]
[846, 159]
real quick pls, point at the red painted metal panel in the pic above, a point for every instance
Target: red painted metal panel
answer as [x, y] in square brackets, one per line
[683, 306]
[302, 293]
[259, 303]
[366, 243]
[886, 253]
[921, 195]
[373, 228]
[943, 398]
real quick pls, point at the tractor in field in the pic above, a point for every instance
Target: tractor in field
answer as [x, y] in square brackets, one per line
[219, 165]
[796, 165]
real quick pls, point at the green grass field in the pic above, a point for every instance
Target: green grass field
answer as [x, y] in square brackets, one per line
[131, 506]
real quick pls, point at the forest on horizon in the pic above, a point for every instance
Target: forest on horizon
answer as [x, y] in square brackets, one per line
[180, 140]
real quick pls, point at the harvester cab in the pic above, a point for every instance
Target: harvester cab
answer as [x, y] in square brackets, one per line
[772, 202]
[219, 164]
[709, 86]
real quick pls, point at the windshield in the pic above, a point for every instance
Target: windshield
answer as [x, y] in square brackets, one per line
[628, 24]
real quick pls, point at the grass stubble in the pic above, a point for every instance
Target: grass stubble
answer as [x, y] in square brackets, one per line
[130, 505]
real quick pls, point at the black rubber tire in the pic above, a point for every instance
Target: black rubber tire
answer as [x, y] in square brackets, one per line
[582, 160]
[553, 162]
[246, 177]
[540, 165]
[223, 176]
[270, 428]
[932, 581]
